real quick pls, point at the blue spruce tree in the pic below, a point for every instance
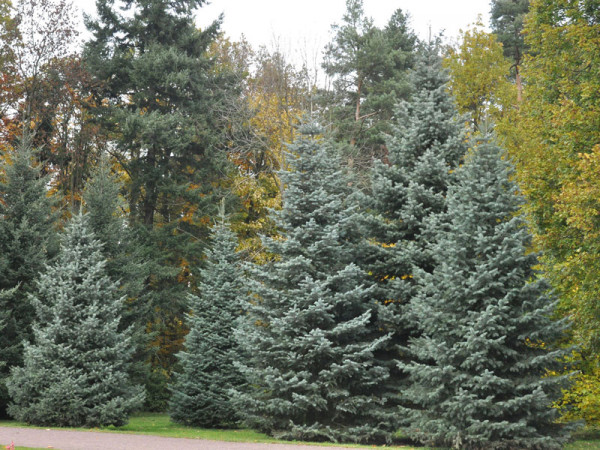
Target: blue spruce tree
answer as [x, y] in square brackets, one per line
[408, 190]
[486, 337]
[75, 370]
[27, 241]
[125, 262]
[308, 333]
[427, 143]
[201, 393]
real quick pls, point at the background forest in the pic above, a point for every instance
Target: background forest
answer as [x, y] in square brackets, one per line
[169, 198]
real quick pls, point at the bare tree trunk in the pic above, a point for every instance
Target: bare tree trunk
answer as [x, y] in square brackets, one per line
[519, 86]
[358, 92]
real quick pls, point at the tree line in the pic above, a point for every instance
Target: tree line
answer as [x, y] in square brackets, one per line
[339, 281]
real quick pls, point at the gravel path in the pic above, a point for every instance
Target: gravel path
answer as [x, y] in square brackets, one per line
[90, 440]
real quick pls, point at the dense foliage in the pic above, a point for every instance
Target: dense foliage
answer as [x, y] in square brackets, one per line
[158, 95]
[27, 242]
[201, 394]
[487, 337]
[75, 370]
[153, 122]
[368, 66]
[309, 332]
[553, 137]
[425, 145]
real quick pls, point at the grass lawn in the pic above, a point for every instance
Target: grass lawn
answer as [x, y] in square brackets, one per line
[2, 446]
[160, 425]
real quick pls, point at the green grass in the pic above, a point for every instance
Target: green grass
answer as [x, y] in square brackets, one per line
[160, 425]
[586, 439]
[2, 446]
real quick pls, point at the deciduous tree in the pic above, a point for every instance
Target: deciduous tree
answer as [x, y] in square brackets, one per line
[553, 138]
[479, 77]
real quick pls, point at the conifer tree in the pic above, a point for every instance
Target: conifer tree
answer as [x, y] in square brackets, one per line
[159, 93]
[125, 263]
[105, 209]
[27, 241]
[75, 370]
[308, 333]
[426, 144]
[201, 394]
[368, 66]
[507, 18]
[486, 337]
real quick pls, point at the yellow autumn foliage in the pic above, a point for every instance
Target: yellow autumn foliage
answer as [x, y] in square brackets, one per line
[480, 76]
[554, 139]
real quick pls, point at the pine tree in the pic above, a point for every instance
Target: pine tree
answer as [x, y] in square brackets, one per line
[308, 333]
[75, 370]
[408, 190]
[27, 241]
[201, 393]
[368, 66]
[507, 18]
[486, 338]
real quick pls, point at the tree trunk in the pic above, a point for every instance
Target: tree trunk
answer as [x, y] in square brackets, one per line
[358, 92]
[519, 85]
[150, 185]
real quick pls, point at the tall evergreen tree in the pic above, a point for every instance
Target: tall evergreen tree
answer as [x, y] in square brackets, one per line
[27, 242]
[368, 66]
[75, 371]
[308, 332]
[487, 338]
[201, 393]
[507, 22]
[159, 89]
[426, 144]
[160, 95]
[507, 17]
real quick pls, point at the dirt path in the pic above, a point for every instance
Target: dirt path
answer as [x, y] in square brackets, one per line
[89, 440]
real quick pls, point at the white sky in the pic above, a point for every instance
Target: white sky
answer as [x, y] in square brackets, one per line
[304, 25]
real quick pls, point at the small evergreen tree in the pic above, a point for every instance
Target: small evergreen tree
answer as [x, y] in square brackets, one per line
[27, 242]
[486, 338]
[308, 333]
[201, 394]
[125, 263]
[105, 209]
[75, 370]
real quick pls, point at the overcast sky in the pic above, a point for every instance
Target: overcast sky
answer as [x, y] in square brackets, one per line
[304, 25]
